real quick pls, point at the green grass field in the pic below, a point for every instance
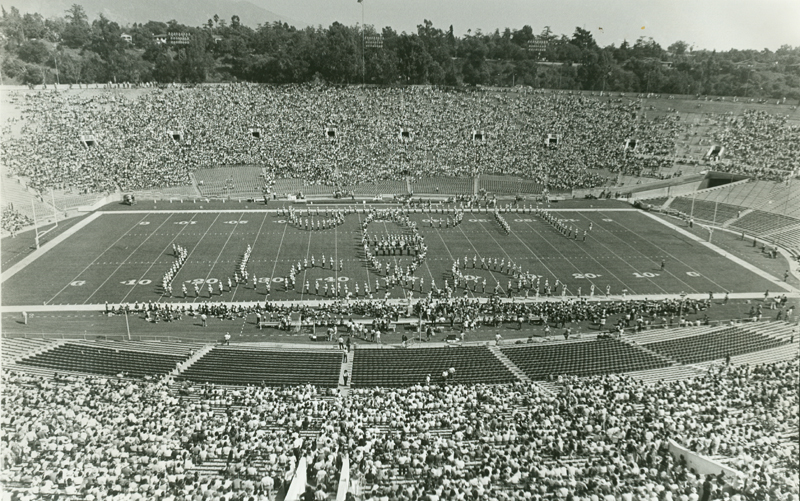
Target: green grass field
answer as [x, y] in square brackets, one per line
[121, 257]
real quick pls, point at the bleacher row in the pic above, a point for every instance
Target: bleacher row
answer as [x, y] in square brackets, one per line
[393, 366]
[706, 211]
[581, 358]
[714, 345]
[397, 367]
[763, 195]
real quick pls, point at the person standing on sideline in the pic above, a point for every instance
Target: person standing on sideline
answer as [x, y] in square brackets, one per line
[663, 262]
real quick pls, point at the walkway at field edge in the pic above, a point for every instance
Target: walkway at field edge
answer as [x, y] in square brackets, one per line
[400, 301]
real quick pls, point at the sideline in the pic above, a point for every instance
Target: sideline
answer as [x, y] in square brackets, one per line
[24, 262]
[758, 271]
[97, 307]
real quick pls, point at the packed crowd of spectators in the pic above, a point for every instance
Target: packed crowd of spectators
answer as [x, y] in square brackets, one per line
[603, 437]
[759, 140]
[13, 220]
[325, 135]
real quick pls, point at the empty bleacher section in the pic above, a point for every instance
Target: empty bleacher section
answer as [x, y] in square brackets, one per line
[406, 367]
[101, 359]
[732, 340]
[581, 358]
[705, 211]
[760, 223]
[789, 239]
[769, 196]
[384, 187]
[508, 186]
[656, 202]
[291, 186]
[246, 366]
[17, 348]
[444, 185]
[230, 181]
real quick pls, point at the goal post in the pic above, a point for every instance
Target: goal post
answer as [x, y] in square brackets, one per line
[36, 233]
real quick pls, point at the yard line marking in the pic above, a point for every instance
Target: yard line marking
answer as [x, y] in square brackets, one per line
[541, 237]
[624, 284]
[280, 245]
[593, 259]
[366, 258]
[24, 262]
[95, 259]
[166, 248]
[222, 249]
[305, 270]
[446, 247]
[395, 265]
[175, 279]
[671, 257]
[120, 265]
[255, 240]
[740, 262]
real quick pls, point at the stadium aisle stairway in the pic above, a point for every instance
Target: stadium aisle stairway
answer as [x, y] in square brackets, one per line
[508, 363]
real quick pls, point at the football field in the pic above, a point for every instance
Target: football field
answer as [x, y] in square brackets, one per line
[122, 256]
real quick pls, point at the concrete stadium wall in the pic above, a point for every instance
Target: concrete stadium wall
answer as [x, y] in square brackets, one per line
[702, 465]
[668, 191]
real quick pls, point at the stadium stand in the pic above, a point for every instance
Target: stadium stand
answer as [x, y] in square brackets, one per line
[379, 187]
[230, 182]
[472, 364]
[103, 360]
[243, 366]
[714, 345]
[759, 139]
[656, 202]
[457, 441]
[769, 196]
[444, 185]
[214, 120]
[706, 211]
[505, 186]
[14, 349]
[761, 223]
[581, 358]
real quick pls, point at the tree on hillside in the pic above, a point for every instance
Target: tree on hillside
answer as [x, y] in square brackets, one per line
[77, 31]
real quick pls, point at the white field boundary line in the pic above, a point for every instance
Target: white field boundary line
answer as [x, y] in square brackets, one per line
[97, 308]
[95, 260]
[33, 256]
[758, 271]
[120, 265]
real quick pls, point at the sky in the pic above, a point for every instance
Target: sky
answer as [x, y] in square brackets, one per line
[706, 24]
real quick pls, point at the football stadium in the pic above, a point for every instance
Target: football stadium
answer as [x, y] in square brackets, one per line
[245, 291]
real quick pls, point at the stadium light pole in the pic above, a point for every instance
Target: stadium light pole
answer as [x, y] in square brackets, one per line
[680, 311]
[35, 224]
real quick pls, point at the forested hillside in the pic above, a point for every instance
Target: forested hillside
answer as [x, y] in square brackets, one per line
[75, 49]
